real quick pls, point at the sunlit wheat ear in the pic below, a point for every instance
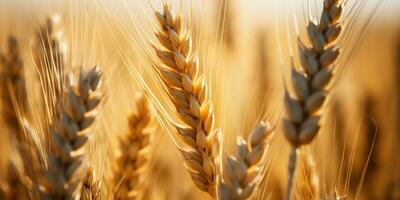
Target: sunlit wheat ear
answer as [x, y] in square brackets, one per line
[242, 173]
[134, 152]
[310, 82]
[49, 53]
[307, 179]
[71, 131]
[91, 186]
[188, 91]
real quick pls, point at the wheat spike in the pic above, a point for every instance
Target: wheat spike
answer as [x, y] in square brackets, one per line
[91, 187]
[14, 100]
[134, 152]
[309, 83]
[188, 92]
[70, 134]
[243, 171]
[13, 87]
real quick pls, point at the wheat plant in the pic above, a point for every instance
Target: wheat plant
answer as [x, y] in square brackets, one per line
[188, 92]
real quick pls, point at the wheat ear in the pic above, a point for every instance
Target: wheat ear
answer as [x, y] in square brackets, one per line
[14, 100]
[91, 187]
[70, 135]
[13, 86]
[242, 173]
[188, 91]
[134, 152]
[310, 83]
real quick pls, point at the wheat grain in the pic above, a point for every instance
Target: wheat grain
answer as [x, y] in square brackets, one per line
[242, 172]
[188, 92]
[134, 152]
[309, 83]
[91, 187]
[70, 134]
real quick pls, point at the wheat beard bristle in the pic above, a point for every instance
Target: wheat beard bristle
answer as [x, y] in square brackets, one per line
[242, 173]
[134, 153]
[188, 92]
[49, 55]
[309, 83]
[70, 135]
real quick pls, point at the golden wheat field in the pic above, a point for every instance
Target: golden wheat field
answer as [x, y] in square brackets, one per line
[199, 99]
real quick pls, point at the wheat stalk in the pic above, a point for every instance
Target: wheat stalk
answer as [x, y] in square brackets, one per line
[309, 83]
[91, 187]
[70, 134]
[188, 91]
[134, 152]
[243, 171]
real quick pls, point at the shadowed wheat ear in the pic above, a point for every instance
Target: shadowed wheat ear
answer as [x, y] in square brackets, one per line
[49, 55]
[241, 173]
[70, 134]
[310, 82]
[134, 152]
[91, 186]
[188, 92]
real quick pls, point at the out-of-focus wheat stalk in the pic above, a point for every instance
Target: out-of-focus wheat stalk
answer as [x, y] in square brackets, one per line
[242, 172]
[188, 91]
[134, 152]
[76, 113]
[91, 186]
[310, 82]
[13, 87]
[14, 105]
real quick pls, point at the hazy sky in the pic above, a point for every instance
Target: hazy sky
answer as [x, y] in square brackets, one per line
[390, 9]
